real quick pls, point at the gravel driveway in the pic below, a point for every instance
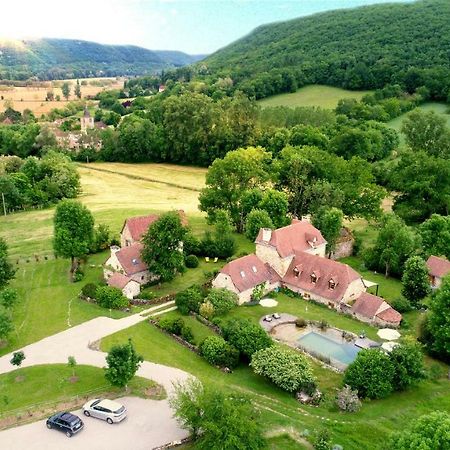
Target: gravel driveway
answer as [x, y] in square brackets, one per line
[148, 425]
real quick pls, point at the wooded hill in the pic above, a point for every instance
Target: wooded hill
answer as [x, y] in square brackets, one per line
[361, 48]
[50, 59]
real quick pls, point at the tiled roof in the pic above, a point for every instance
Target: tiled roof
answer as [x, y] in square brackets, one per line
[118, 280]
[390, 315]
[138, 226]
[438, 267]
[249, 271]
[297, 237]
[325, 270]
[130, 259]
[367, 305]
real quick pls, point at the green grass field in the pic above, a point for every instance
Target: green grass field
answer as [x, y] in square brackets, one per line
[25, 387]
[315, 95]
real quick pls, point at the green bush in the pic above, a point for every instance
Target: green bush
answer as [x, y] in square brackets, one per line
[371, 374]
[186, 334]
[172, 325]
[189, 300]
[409, 367]
[78, 275]
[301, 322]
[111, 297]
[286, 368]
[207, 310]
[223, 300]
[256, 220]
[218, 352]
[246, 336]
[401, 304]
[191, 261]
[89, 290]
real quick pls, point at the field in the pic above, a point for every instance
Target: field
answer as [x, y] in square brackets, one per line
[112, 197]
[33, 97]
[315, 95]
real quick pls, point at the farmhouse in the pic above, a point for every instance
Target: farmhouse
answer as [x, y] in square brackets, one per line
[129, 287]
[438, 268]
[128, 262]
[245, 274]
[294, 257]
[134, 228]
[372, 309]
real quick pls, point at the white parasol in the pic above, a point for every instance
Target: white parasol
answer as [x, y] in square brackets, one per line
[388, 334]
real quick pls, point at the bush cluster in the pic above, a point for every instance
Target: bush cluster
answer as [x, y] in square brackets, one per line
[189, 300]
[218, 352]
[191, 261]
[111, 297]
[178, 327]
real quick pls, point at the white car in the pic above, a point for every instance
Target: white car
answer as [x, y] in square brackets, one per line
[105, 409]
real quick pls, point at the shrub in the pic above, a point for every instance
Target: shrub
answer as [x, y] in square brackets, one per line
[371, 374]
[111, 297]
[225, 246]
[223, 300]
[301, 322]
[191, 261]
[246, 336]
[322, 440]
[207, 310]
[191, 245]
[89, 290]
[208, 245]
[189, 300]
[323, 325]
[172, 325]
[78, 275]
[347, 400]
[218, 352]
[401, 304]
[288, 369]
[408, 362]
[186, 334]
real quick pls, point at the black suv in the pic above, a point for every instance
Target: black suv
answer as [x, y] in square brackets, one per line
[66, 422]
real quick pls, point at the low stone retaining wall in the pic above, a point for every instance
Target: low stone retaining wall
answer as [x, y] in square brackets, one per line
[207, 323]
[179, 339]
[173, 444]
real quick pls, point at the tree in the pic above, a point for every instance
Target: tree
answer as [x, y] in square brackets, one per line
[329, 222]
[17, 358]
[189, 300]
[111, 297]
[65, 89]
[8, 298]
[371, 374]
[416, 285]
[77, 90]
[426, 130]
[277, 206]
[408, 365]
[435, 235]
[218, 352]
[394, 245]
[224, 241]
[288, 369]
[163, 246]
[123, 363]
[428, 432]
[257, 219]
[6, 268]
[73, 231]
[223, 300]
[72, 363]
[229, 178]
[246, 336]
[217, 419]
[439, 320]
[6, 325]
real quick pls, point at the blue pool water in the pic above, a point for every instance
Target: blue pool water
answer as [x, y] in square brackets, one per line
[318, 343]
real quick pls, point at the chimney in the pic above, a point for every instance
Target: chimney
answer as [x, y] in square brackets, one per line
[266, 234]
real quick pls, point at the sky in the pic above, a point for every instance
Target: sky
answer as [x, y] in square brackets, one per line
[192, 26]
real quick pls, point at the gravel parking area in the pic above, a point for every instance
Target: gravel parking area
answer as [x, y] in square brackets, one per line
[148, 425]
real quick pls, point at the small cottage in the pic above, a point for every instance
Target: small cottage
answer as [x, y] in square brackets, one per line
[438, 268]
[129, 287]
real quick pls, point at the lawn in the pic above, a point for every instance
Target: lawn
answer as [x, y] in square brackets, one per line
[366, 430]
[112, 197]
[48, 303]
[28, 387]
[314, 95]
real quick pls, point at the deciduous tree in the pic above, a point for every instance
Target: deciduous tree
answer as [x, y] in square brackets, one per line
[329, 222]
[6, 268]
[416, 285]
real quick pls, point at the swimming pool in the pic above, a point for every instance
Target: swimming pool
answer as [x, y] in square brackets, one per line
[317, 343]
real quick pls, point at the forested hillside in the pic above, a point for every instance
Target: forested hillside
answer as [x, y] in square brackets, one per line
[361, 48]
[67, 58]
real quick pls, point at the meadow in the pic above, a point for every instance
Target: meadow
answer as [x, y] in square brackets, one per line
[314, 95]
[33, 97]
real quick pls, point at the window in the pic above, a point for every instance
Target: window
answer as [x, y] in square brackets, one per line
[331, 284]
[254, 269]
[296, 272]
[142, 278]
[313, 278]
[242, 274]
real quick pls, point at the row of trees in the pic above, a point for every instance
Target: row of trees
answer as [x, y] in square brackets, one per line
[8, 296]
[36, 181]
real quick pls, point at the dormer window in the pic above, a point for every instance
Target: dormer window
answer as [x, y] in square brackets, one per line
[313, 278]
[331, 284]
[296, 271]
[135, 262]
[242, 274]
[254, 269]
